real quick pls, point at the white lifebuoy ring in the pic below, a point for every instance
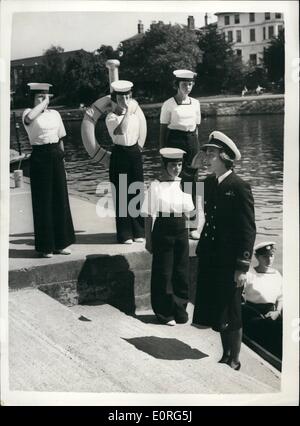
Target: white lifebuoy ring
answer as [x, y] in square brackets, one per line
[92, 115]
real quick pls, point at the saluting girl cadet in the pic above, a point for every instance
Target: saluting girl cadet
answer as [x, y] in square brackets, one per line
[225, 246]
[53, 226]
[126, 160]
[167, 205]
[179, 120]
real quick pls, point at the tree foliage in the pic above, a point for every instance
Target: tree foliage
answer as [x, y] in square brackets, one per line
[53, 67]
[274, 58]
[220, 69]
[150, 60]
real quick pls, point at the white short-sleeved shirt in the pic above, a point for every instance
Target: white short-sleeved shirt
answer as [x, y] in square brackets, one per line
[47, 128]
[133, 130]
[166, 197]
[181, 116]
[263, 287]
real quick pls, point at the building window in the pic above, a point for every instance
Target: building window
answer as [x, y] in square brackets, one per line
[253, 59]
[238, 53]
[277, 15]
[230, 36]
[227, 20]
[264, 33]
[236, 18]
[238, 36]
[271, 32]
[252, 34]
[251, 17]
[267, 16]
[280, 29]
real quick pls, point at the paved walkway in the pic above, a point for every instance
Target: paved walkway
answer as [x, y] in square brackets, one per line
[100, 349]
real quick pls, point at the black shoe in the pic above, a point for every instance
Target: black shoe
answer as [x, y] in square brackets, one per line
[237, 367]
[225, 359]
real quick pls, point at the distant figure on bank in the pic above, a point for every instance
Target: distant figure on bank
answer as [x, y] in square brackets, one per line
[167, 208]
[225, 247]
[53, 225]
[259, 90]
[123, 126]
[180, 118]
[244, 91]
[262, 312]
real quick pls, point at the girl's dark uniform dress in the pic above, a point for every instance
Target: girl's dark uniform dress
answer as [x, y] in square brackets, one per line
[168, 204]
[126, 160]
[53, 225]
[182, 121]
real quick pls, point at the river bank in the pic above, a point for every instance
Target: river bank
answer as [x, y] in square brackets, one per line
[210, 107]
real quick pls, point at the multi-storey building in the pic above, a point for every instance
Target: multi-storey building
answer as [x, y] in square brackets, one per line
[250, 33]
[25, 70]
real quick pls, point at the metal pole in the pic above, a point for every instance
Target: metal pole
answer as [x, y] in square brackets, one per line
[17, 132]
[113, 71]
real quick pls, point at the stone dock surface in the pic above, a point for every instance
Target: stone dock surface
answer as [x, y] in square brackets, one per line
[83, 322]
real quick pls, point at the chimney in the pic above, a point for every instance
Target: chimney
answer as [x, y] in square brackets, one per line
[191, 23]
[206, 19]
[140, 27]
[152, 25]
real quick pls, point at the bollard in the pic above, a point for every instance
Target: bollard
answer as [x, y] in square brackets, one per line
[113, 71]
[18, 177]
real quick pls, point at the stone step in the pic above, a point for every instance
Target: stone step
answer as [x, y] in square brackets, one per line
[100, 349]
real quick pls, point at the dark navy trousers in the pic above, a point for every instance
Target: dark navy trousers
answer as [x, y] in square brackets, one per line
[53, 225]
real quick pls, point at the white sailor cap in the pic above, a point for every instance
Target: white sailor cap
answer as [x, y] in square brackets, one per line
[39, 87]
[184, 74]
[219, 140]
[122, 86]
[265, 247]
[172, 153]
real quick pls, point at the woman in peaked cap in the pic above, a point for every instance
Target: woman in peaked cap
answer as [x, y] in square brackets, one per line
[179, 120]
[167, 207]
[53, 225]
[225, 247]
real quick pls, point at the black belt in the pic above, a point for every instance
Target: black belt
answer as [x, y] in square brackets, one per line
[45, 145]
[183, 131]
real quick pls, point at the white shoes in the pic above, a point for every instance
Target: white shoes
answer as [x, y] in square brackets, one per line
[47, 255]
[65, 251]
[139, 240]
[171, 323]
[129, 241]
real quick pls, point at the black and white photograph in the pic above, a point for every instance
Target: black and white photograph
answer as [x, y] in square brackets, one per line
[150, 246]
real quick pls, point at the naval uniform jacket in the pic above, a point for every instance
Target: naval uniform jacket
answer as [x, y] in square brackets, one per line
[225, 245]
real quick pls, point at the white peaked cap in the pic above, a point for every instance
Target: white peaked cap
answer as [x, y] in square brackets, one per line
[268, 245]
[172, 153]
[184, 74]
[121, 86]
[39, 86]
[220, 140]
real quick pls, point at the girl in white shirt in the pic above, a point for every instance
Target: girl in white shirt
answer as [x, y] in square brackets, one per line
[262, 311]
[123, 126]
[53, 225]
[167, 207]
[179, 120]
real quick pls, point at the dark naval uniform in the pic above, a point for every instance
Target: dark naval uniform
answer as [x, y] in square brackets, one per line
[226, 245]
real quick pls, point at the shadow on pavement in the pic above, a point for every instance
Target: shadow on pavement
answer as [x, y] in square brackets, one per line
[163, 348]
[23, 254]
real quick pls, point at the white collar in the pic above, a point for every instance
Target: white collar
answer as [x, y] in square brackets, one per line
[224, 176]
